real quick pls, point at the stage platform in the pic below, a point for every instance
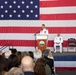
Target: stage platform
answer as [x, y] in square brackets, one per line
[63, 53]
[65, 61]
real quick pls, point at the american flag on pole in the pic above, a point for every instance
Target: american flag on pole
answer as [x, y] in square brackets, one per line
[21, 19]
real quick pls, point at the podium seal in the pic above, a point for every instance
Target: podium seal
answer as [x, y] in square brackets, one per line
[41, 43]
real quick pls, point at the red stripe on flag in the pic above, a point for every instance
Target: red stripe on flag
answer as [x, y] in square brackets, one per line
[37, 29]
[27, 43]
[57, 3]
[58, 16]
[65, 68]
[17, 42]
[62, 30]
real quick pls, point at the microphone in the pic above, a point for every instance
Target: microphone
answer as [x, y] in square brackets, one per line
[38, 32]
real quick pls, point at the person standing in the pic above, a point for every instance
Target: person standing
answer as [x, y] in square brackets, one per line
[44, 31]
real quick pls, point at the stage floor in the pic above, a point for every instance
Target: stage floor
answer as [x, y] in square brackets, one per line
[63, 53]
[65, 61]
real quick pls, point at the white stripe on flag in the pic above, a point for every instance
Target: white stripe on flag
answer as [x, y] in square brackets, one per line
[65, 63]
[58, 10]
[23, 36]
[36, 23]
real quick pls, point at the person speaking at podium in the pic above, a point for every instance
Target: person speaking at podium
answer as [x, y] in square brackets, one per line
[44, 31]
[42, 38]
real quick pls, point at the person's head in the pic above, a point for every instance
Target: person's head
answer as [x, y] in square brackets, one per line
[7, 53]
[31, 54]
[27, 64]
[19, 55]
[43, 26]
[13, 50]
[3, 65]
[50, 54]
[37, 54]
[58, 34]
[39, 68]
[15, 71]
[45, 52]
[25, 54]
[12, 61]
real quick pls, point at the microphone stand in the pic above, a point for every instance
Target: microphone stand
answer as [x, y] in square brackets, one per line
[35, 39]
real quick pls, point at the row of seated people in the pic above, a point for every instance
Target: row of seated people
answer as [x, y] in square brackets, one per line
[27, 63]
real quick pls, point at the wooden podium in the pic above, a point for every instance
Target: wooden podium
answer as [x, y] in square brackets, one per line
[41, 41]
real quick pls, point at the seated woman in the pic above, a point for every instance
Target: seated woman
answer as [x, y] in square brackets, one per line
[49, 57]
[13, 61]
[41, 68]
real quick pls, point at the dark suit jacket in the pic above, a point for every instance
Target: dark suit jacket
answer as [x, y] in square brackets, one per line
[29, 73]
[50, 62]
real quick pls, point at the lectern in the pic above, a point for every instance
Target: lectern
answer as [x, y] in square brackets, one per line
[41, 41]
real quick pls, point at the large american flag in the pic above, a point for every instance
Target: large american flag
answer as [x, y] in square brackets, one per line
[21, 19]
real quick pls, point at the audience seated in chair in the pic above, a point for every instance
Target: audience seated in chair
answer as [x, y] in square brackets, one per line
[31, 54]
[41, 68]
[13, 50]
[27, 65]
[25, 54]
[12, 61]
[15, 71]
[7, 54]
[3, 66]
[19, 55]
[49, 59]
[37, 54]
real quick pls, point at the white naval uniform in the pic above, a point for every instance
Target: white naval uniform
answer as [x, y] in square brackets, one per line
[58, 42]
[44, 31]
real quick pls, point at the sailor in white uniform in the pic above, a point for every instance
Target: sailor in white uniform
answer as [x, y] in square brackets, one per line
[58, 42]
[44, 31]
